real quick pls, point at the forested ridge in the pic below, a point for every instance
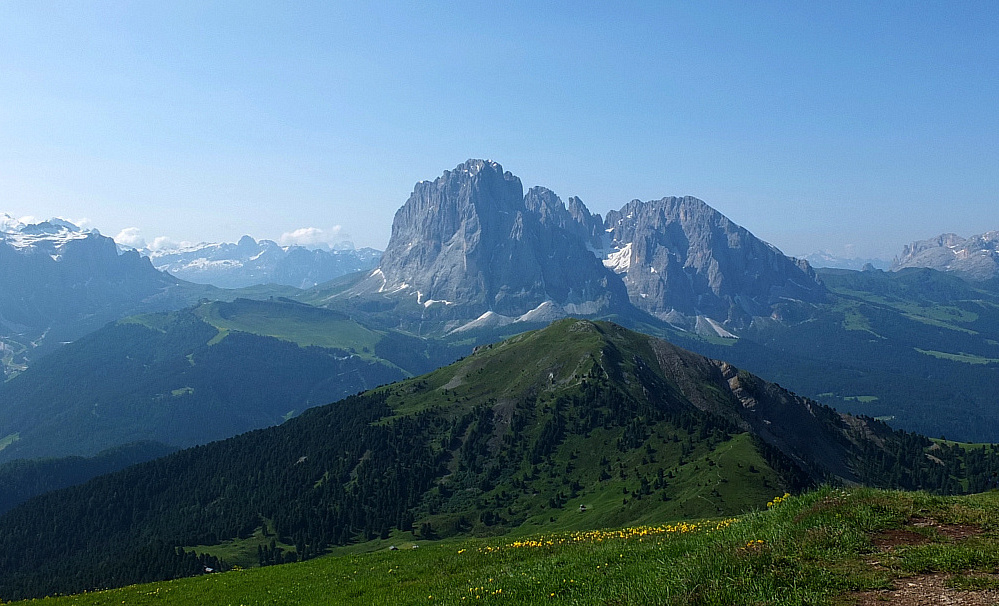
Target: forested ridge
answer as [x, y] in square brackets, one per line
[22, 479]
[521, 433]
[916, 347]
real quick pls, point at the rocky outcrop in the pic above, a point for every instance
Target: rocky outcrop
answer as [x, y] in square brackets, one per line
[681, 259]
[471, 242]
[975, 258]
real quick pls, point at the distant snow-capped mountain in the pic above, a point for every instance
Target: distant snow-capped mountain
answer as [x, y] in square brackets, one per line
[250, 262]
[60, 281]
[47, 236]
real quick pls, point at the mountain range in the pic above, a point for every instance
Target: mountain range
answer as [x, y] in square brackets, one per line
[61, 282]
[472, 254]
[471, 249]
[474, 259]
[826, 259]
[524, 431]
[249, 262]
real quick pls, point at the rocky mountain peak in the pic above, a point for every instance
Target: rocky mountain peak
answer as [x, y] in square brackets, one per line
[471, 242]
[682, 259]
[247, 246]
[472, 245]
[975, 258]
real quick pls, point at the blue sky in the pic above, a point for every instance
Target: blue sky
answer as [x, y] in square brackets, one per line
[851, 127]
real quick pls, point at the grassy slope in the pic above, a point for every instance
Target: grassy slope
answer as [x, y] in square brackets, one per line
[731, 477]
[701, 478]
[810, 549]
[297, 323]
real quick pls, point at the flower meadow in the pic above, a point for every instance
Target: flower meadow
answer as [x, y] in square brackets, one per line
[638, 533]
[800, 550]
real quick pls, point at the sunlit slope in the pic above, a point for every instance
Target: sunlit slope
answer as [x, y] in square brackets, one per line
[578, 426]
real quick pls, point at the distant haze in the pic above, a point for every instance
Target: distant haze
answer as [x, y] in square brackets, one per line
[847, 128]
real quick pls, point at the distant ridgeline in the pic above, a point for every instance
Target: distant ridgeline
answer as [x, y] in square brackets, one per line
[523, 434]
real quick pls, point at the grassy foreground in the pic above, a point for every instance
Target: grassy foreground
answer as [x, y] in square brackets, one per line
[811, 549]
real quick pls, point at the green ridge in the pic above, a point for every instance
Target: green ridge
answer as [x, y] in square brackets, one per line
[509, 441]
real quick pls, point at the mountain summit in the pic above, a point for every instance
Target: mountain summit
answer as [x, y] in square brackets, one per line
[975, 258]
[471, 250]
[684, 262]
[471, 245]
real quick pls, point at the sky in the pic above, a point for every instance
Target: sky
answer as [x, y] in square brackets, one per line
[848, 127]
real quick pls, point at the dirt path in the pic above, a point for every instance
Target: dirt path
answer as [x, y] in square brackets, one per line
[923, 589]
[926, 590]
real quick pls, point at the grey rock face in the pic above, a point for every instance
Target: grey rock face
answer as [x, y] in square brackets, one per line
[681, 259]
[472, 246]
[974, 258]
[473, 242]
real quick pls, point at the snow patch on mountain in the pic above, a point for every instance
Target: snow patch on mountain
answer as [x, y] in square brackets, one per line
[46, 236]
[619, 261]
[489, 319]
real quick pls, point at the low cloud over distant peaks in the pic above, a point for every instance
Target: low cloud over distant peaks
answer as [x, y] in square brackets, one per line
[130, 237]
[313, 237]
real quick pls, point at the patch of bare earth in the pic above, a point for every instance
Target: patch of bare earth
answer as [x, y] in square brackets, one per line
[910, 534]
[924, 589]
